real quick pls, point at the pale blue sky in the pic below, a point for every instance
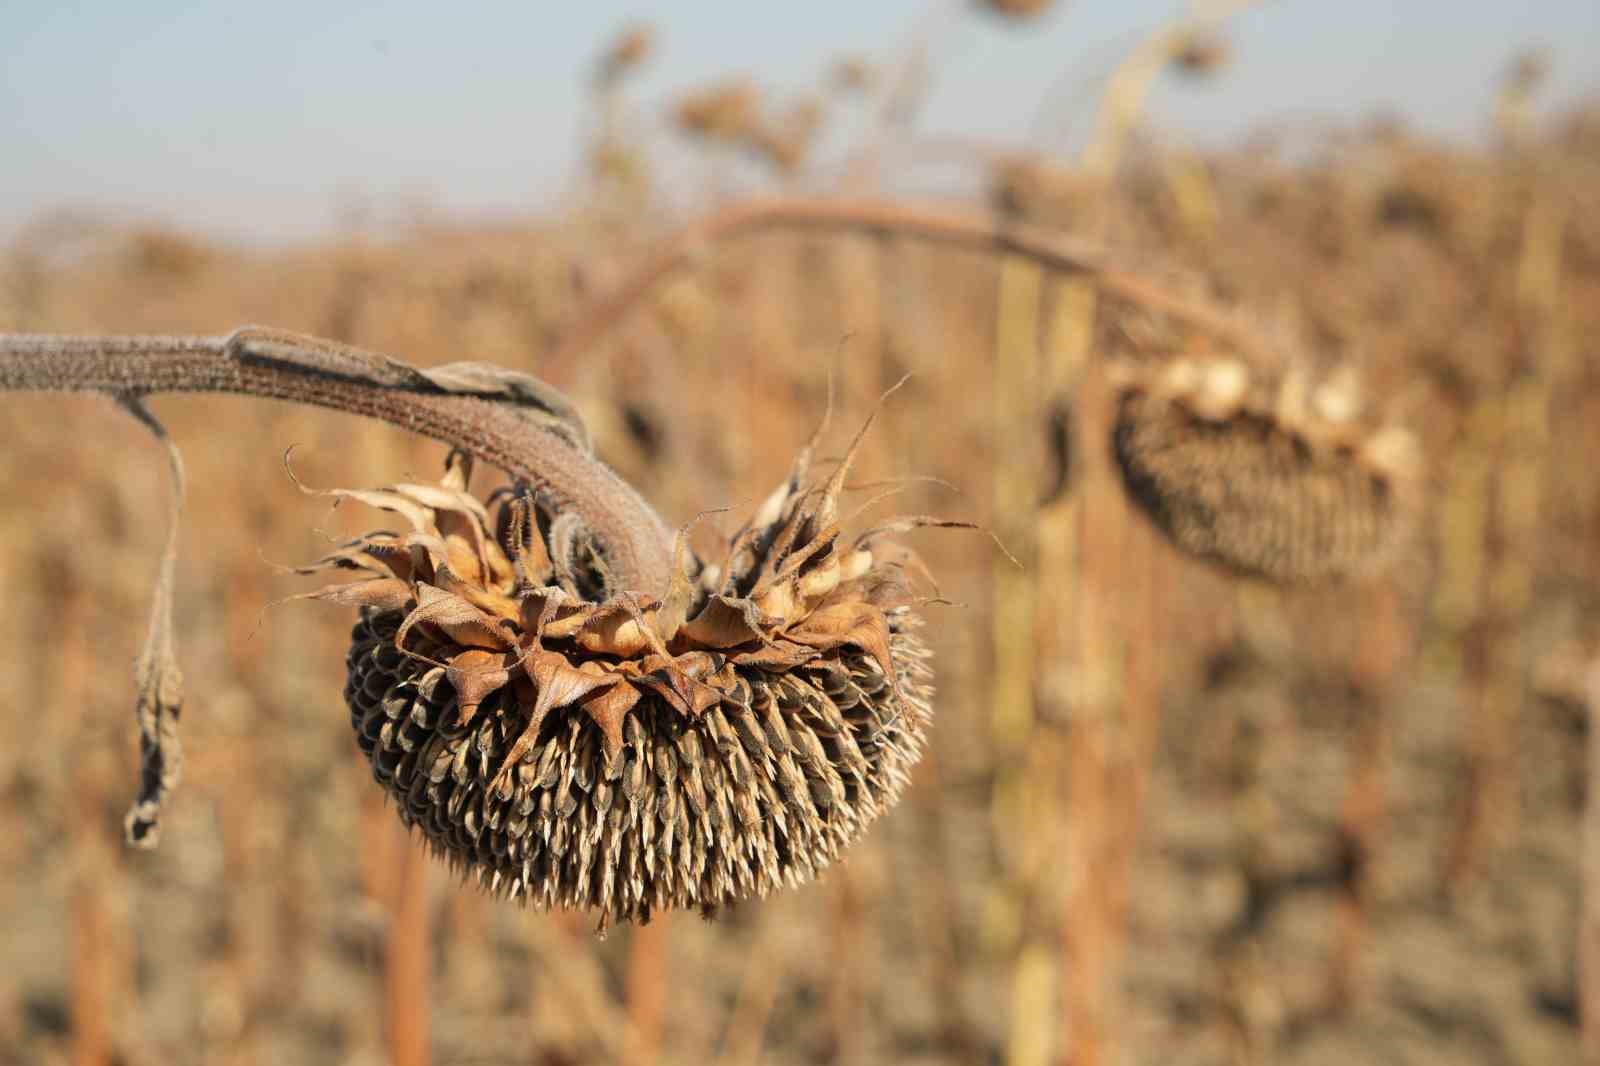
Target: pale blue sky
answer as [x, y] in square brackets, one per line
[259, 120]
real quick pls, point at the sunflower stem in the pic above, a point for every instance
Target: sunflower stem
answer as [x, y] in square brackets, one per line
[509, 420]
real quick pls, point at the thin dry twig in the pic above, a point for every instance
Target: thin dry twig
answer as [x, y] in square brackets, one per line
[1130, 83]
[1589, 928]
[407, 961]
[647, 985]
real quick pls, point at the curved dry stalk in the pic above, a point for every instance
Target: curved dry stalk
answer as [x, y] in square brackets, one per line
[509, 420]
[940, 225]
[1589, 921]
[1130, 83]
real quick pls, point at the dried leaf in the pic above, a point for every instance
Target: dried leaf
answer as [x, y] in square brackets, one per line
[609, 707]
[380, 593]
[459, 620]
[476, 674]
[679, 680]
[382, 499]
[611, 630]
[847, 621]
[159, 704]
[560, 684]
[726, 623]
[779, 655]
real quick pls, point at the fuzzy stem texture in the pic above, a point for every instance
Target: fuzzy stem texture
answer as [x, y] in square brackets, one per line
[508, 420]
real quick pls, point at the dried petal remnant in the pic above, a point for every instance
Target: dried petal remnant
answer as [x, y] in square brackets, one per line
[711, 742]
[1288, 486]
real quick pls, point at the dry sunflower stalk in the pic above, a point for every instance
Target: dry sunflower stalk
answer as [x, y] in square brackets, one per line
[1282, 480]
[560, 696]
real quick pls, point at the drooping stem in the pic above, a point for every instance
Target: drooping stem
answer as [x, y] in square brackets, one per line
[506, 419]
[934, 224]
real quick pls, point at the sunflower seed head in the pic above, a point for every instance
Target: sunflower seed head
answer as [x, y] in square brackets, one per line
[1283, 480]
[586, 754]
[1016, 9]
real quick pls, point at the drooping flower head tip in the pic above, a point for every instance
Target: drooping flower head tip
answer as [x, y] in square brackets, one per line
[680, 747]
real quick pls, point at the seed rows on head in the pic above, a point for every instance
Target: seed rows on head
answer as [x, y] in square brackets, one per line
[763, 790]
[1267, 485]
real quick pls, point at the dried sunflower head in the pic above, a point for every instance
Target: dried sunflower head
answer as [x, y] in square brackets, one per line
[689, 748]
[1279, 481]
[1041, 190]
[853, 73]
[785, 141]
[725, 111]
[1201, 54]
[1017, 9]
[630, 49]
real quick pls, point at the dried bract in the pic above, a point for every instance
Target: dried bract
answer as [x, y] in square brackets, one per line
[724, 737]
[1288, 484]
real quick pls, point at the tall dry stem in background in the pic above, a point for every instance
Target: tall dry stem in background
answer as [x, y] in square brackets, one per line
[1512, 431]
[407, 961]
[101, 977]
[1383, 653]
[1012, 594]
[1589, 929]
[646, 991]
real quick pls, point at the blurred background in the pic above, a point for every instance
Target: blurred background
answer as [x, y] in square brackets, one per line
[1166, 816]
